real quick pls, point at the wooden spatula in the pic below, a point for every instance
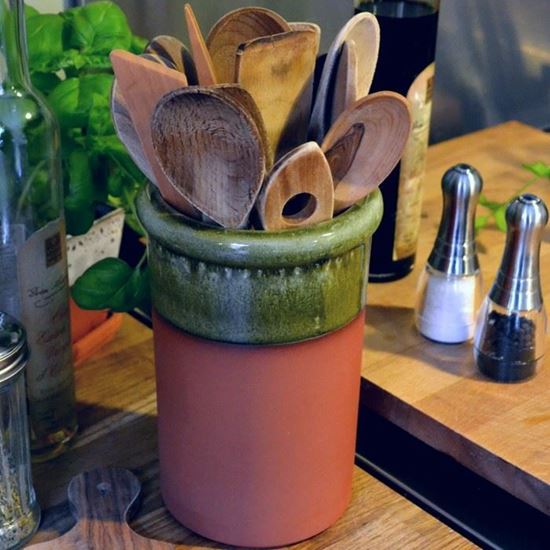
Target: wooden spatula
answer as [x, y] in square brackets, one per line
[211, 150]
[298, 191]
[363, 29]
[236, 28]
[278, 72]
[365, 144]
[206, 74]
[346, 91]
[142, 83]
[101, 501]
[169, 47]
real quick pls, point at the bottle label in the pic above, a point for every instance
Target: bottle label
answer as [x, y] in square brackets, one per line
[413, 165]
[43, 287]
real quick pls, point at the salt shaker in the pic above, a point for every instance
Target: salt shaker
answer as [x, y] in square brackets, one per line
[449, 289]
[511, 328]
[19, 511]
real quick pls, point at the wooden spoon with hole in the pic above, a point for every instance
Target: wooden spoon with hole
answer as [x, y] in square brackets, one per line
[206, 75]
[365, 144]
[236, 28]
[142, 83]
[211, 150]
[278, 71]
[363, 29]
[298, 191]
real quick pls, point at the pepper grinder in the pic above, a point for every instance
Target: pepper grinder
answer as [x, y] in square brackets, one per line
[511, 329]
[449, 289]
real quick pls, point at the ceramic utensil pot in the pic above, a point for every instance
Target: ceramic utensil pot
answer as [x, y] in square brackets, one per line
[258, 345]
[365, 144]
[236, 28]
[211, 150]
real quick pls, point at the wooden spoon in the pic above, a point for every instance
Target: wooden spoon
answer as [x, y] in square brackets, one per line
[206, 74]
[236, 28]
[142, 83]
[364, 30]
[278, 72]
[101, 502]
[223, 164]
[346, 91]
[365, 144]
[303, 178]
[169, 47]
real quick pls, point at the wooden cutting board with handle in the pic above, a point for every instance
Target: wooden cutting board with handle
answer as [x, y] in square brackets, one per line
[278, 73]
[236, 28]
[101, 501]
[142, 83]
[303, 176]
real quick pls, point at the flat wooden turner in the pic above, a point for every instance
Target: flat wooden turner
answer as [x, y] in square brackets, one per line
[101, 501]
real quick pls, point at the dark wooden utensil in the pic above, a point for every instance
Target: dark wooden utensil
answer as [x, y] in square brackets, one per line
[346, 91]
[364, 145]
[298, 191]
[211, 150]
[172, 49]
[236, 28]
[101, 501]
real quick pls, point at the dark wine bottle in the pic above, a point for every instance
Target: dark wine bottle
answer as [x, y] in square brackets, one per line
[408, 30]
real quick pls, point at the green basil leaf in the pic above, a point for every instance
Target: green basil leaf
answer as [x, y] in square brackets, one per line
[111, 284]
[30, 12]
[98, 28]
[481, 222]
[138, 44]
[79, 215]
[540, 169]
[100, 122]
[81, 185]
[65, 102]
[45, 41]
[45, 82]
[500, 218]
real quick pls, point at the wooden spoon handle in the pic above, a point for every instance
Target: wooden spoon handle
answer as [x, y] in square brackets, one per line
[203, 63]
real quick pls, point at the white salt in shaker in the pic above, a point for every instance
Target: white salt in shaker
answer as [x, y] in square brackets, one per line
[449, 289]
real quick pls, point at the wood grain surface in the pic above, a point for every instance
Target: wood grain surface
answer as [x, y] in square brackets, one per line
[433, 391]
[277, 71]
[346, 90]
[169, 47]
[386, 122]
[211, 150]
[117, 417]
[236, 28]
[206, 74]
[302, 171]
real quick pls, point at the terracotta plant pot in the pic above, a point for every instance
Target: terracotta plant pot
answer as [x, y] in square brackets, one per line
[258, 344]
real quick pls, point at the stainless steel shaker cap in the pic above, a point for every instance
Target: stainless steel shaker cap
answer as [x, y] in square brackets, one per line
[13, 348]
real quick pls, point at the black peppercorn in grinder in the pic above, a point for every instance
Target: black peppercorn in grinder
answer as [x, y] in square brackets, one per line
[511, 326]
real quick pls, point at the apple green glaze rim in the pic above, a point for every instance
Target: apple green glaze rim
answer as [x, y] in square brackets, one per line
[258, 287]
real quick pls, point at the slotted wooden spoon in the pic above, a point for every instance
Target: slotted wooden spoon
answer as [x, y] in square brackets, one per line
[211, 150]
[236, 28]
[142, 83]
[277, 71]
[365, 144]
[302, 179]
[363, 29]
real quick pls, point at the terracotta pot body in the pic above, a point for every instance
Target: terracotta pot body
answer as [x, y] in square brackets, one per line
[258, 345]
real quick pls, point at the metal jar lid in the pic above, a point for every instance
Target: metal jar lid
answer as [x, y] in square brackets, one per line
[13, 348]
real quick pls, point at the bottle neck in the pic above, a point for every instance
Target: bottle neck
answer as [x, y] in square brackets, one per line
[13, 46]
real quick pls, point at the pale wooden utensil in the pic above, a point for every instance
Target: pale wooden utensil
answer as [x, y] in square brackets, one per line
[278, 72]
[206, 74]
[363, 29]
[365, 144]
[142, 83]
[170, 48]
[346, 91]
[298, 191]
[236, 28]
[101, 501]
[211, 150]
